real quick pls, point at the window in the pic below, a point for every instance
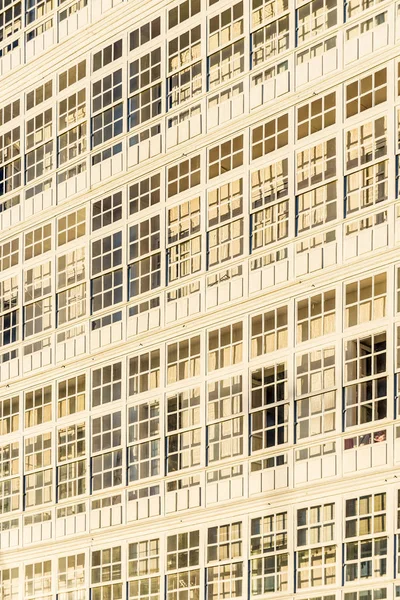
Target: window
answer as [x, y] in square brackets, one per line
[146, 33]
[225, 569]
[146, 104]
[38, 488]
[144, 570]
[37, 282]
[184, 85]
[71, 304]
[366, 187]
[9, 415]
[269, 41]
[366, 389]
[71, 396]
[71, 227]
[106, 432]
[225, 157]
[106, 211]
[71, 575]
[224, 423]
[107, 55]
[184, 259]
[9, 203]
[38, 406]
[9, 460]
[316, 565]
[9, 112]
[264, 10]
[366, 142]
[371, 594]
[39, 129]
[219, 99]
[316, 164]
[315, 371]
[225, 202]
[144, 194]
[10, 490]
[316, 316]
[184, 49]
[9, 323]
[226, 241]
[269, 331]
[270, 225]
[10, 174]
[307, 55]
[183, 556]
[224, 398]
[72, 9]
[107, 125]
[107, 290]
[314, 18]
[269, 407]
[315, 415]
[106, 91]
[144, 372]
[316, 115]
[183, 359]
[71, 442]
[366, 439]
[144, 239]
[365, 515]
[366, 25]
[38, 580]
[39, 161]
[39, 95]
[144, 439]
[270, 136]
[225, 26]
[365, 300]
[71, 268]
[37, 241]
[10, 583]
[184, 222]
[38, 317]
[106, 253]
[365, 520]
[106, 154]
[72, 75]
[226, 64]
[366, 92]
[105, 572]
[10, 145]
[225, 346]
[10, 20]
[37, 453]
[143, 420]
[106, 384]
[71, 172]
[183, 442]
[183, 176]
[36, 9]
[269, 569]
[8, 294]
[107, 470]
[355, 7]
[183, 11]
[316, 207]
[71, 144]
[270, 74]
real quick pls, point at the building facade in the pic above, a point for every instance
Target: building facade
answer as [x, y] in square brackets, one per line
[199, 299]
